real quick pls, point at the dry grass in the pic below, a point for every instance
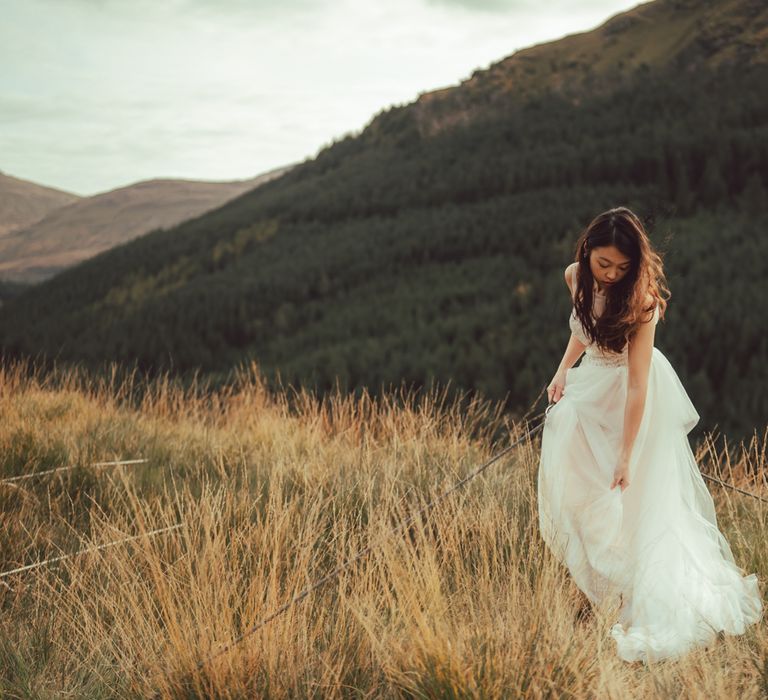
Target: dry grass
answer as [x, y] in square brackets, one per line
[274, 490]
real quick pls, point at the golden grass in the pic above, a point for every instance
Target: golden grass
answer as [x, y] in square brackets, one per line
[275, 489]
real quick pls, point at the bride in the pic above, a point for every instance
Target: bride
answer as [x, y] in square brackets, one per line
[621, 500]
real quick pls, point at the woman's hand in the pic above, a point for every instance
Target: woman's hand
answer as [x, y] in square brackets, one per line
[621, 474]
[556, 387]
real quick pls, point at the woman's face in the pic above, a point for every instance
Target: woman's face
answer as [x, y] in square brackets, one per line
[608, 265]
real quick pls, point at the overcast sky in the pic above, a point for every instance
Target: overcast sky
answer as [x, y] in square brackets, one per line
[97, 94]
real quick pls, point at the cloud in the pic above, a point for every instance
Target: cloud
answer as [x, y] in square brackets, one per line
[100, 93]
[261, 8]
[479, 5]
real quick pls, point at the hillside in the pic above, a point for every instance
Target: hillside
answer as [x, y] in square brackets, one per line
[249, 497]
[68, 235]
[22, 203]
[436, 255]
[690, 36]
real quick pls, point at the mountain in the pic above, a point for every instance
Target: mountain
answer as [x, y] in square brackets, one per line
[688, 36]
[430, 246]
[70, 234]
[22, 203]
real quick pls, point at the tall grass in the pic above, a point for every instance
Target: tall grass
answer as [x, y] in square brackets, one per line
[275, 489]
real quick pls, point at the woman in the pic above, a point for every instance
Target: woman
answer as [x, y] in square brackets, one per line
[621, 500]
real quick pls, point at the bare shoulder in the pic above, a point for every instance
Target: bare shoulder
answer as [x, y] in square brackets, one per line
[570, 275]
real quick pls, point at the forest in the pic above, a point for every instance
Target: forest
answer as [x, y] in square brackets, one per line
[393, 258]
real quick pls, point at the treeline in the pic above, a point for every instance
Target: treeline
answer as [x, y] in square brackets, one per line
[392, 258]
[10, 290]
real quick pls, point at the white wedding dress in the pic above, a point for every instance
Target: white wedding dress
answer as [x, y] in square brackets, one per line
[657, 543]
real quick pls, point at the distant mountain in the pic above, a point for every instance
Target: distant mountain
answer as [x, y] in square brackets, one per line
[430, 246]
[70, 234]
[23, 203]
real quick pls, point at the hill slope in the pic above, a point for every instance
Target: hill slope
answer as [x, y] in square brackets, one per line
[22, 203]
[69, 235]
[687, 35]
[408, 254]
[248, 496]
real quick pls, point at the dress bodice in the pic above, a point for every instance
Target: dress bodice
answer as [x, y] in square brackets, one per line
[592, 354]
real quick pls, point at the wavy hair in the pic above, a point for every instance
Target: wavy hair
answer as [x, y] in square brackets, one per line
[625, 305]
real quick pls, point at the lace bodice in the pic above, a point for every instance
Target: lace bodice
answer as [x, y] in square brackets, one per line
[594, 355]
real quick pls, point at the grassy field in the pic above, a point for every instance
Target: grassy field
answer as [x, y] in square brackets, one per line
[273, 490]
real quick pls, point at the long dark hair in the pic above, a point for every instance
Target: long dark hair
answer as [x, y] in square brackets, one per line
[625, 302]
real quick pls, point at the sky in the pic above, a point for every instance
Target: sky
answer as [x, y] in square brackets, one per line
[99, 94]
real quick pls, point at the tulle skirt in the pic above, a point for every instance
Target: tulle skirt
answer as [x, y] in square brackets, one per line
[657, 543]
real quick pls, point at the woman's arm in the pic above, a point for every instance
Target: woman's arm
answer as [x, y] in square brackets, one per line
[575, 347]
[572, 353]
[639, 363]
[556, 387]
